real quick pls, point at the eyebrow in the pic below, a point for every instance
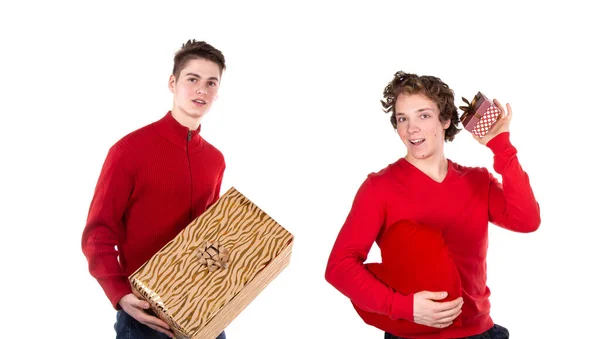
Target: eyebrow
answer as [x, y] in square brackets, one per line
[418, 111]
[198, 76]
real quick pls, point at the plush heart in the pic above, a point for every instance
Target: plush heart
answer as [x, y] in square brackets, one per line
[414, 258]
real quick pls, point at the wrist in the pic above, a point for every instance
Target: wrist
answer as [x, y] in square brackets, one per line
[499, 142]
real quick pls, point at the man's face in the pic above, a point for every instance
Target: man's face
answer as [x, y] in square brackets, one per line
[196, 88]
[419, 126]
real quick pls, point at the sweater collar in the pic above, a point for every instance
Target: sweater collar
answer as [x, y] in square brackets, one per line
[415, 174]
[178, 134]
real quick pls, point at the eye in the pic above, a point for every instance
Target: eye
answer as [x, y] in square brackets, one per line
[212, 84]
[425, 116]
[192, 80]
[401, 119]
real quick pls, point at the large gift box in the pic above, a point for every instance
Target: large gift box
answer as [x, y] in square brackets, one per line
[202, 279]
[479, 115]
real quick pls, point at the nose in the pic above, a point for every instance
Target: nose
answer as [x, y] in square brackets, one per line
[412, 127]
[201, 90]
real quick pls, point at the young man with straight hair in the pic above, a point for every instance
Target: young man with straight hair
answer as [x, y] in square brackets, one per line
[153, 183]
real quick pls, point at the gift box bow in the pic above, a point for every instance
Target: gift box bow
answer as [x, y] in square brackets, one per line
[471, 108]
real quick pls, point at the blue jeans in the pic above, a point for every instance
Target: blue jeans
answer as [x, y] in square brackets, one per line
[496, 332]
[129, 328]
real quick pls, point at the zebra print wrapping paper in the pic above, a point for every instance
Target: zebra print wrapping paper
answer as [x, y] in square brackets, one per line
[197, 302]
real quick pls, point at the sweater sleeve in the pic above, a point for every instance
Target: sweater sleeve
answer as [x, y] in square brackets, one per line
[217, 192]
[512, 204]
[345, 269]
[104, 227]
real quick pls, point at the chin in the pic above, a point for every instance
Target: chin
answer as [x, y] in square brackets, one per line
[420, 156]
[196, 114]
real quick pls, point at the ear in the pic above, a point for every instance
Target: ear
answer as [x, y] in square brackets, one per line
[172, 81]
[447, 124]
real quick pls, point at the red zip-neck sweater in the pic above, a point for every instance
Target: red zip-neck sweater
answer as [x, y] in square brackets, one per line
[153, 183]
[461, 206]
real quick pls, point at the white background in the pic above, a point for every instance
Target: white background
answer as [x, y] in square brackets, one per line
[299, 122]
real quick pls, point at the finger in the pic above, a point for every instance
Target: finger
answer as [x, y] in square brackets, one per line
[161, 330]
[435, 295]
[499, 105]
[447, 314]
[443, 325]
[448, 305]
[152, 320]
[141, 304]
[448, 317]
[508, 111]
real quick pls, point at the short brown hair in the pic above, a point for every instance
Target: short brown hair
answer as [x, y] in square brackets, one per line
[193, 49]
[430, 86]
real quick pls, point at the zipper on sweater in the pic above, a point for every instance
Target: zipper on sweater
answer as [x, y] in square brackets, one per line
[187, 151]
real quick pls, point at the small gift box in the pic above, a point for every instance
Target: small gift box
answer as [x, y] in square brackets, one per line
[202, 279]
[479, 115]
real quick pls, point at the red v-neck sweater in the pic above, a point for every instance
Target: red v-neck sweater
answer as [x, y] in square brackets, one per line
[461, 206]
[153, 183]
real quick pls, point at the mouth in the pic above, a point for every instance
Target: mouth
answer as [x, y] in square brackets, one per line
[416, 142]
[199, 102]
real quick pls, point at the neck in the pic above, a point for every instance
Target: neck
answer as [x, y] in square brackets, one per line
[185, 120]
[435, 167]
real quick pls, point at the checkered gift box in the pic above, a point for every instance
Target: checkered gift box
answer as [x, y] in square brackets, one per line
[479, 115]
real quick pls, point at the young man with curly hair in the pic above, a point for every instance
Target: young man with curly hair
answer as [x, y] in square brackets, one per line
[153, 183]
[457, 201]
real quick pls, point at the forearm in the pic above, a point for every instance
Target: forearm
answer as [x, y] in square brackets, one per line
[346, 272]
[512, 204]
[104, 228]
[98, 245]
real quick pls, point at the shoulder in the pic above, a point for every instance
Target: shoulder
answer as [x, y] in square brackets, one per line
[126, 150]
[213, 153]
[466, 171]
[385, 176]
[132, 141]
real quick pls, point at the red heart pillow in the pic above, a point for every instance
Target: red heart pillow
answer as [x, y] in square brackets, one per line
[414, 258]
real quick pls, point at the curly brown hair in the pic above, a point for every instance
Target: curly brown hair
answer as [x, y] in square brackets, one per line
[193, 49]
[430, 86]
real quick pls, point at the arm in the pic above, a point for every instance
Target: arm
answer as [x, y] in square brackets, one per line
[104, 228]
[345, 269]
[511, 204]
[103, 233]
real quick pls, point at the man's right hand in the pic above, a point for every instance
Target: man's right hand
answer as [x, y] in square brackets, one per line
[430, 312]
[135, 308]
